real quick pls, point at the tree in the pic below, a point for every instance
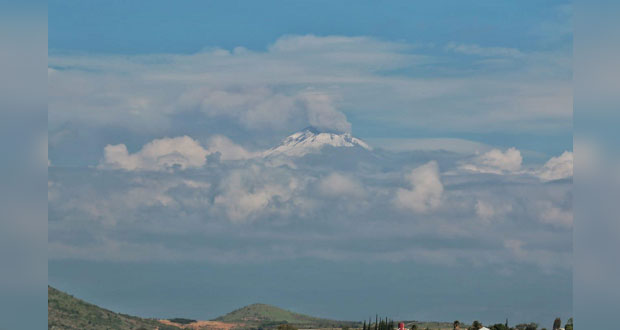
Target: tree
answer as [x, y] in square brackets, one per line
[499, 326]
[557, 323]
[364, 327]
[527, 326]
[286, 327]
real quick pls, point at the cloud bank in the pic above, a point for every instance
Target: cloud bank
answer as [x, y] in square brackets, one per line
[556, 168]
[496, 162]
[160, 154]
[322, 81]
[212, 197]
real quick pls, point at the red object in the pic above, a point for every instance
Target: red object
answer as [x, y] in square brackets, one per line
[401, 326]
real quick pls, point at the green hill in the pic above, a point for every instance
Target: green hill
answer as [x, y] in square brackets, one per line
[267, 315]
[68, 313]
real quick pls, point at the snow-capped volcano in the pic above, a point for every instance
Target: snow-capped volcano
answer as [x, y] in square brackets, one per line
[312, 140]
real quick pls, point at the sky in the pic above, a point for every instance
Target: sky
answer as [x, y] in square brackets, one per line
[162, 202]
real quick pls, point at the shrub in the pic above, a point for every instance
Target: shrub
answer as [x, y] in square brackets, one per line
[286, 326]
[499, 326]
[182, 320]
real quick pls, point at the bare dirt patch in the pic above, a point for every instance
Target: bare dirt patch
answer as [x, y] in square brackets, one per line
[205, 325]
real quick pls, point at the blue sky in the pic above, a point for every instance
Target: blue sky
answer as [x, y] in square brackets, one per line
[159, 117]
[118, 27]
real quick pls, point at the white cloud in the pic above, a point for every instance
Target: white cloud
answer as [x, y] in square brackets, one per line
[157, 155]
[516, 247]
[339, 185]
[298, 81]
[484, 210]
[166, 153]
[472, 49]
[196, 184]
[262, 107]
[545, 259]
[556, 216]
[426, 189]
[254, 207]
[303, 80]
[557, 168]
[429, 144]
[245, 195]
[496, 162]
[228, 149]
[488, 211]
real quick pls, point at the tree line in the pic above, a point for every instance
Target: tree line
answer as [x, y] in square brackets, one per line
[380, 324]
[388, 324]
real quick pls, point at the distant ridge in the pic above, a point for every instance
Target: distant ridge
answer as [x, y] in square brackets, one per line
[266, 315]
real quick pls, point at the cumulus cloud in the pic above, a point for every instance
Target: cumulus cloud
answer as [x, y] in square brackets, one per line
[426, 189]
[340, 185]
[254, 211]
[168, 153]
[246, 195]
[228, 149]
[130, 199]
[556, 168]
[158, 155]
[496, 162]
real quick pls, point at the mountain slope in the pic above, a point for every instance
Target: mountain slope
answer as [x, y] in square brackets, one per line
[265, 315]
[68, 313]
[312, 140]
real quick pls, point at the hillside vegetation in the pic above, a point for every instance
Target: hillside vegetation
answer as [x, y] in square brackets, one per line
[266, 315]
[68, 313]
